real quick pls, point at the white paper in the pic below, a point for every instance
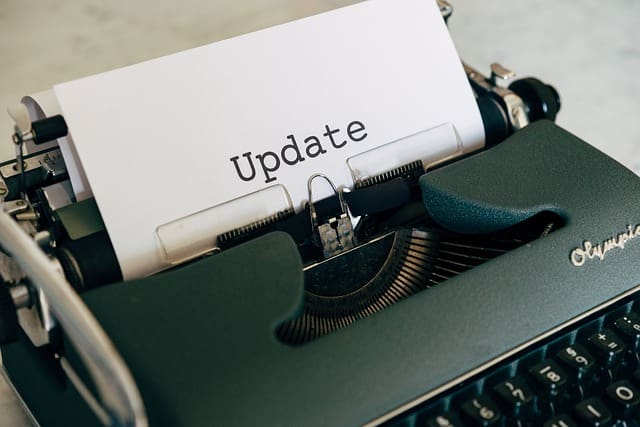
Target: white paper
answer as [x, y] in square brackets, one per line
[156, 138]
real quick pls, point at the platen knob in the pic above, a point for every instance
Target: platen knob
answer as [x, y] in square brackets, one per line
[541, 99]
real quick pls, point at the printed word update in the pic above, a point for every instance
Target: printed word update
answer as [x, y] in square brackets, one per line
[293, 153]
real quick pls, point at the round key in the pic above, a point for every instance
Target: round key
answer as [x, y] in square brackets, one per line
[577, 359]
[548, 377]
[580, 365]
[515, 397]
[446, 419]
[624, 398]
[481, 411]
[562, 420]
[629, 328]
[593, 412]
[607, 346]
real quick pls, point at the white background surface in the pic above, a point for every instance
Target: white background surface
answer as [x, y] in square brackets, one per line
[589, 50]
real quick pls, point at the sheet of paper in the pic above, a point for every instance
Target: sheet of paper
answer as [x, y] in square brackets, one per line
[170, 137]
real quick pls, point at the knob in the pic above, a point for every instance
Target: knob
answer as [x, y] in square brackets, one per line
[541, 99]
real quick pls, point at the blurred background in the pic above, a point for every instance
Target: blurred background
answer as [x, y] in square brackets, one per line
[589, 50]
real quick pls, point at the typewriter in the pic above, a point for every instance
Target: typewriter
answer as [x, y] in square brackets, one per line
[498, 289]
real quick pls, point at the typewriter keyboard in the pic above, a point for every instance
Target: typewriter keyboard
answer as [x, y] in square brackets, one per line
[586, 376]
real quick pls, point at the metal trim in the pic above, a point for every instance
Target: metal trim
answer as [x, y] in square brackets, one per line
[115, 385]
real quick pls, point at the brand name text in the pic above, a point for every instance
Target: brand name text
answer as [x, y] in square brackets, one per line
[589, 251]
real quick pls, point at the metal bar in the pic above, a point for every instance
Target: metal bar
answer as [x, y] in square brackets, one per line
[115, 385]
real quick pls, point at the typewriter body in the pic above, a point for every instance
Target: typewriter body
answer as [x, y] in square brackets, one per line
[496, 289]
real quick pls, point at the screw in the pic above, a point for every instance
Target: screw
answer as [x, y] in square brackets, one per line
[27, 216]
[15, 166]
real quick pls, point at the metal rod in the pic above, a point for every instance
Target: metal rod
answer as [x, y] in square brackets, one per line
[115, 385]
[20, 296]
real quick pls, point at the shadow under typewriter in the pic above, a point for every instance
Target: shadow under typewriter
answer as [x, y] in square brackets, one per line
[373, 276]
